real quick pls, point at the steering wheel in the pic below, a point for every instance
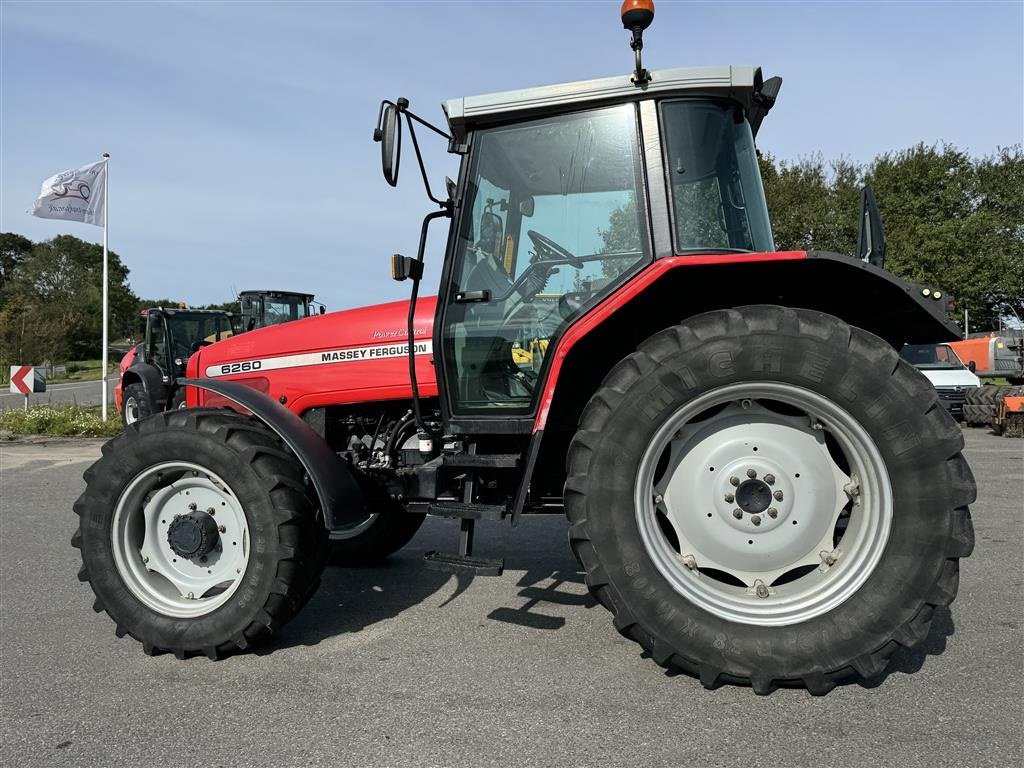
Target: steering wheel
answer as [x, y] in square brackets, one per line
[546, 245]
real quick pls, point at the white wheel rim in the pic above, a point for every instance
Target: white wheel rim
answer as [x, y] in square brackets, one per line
[785, 566]
[153, 572]
[131, 410]
[341, 534]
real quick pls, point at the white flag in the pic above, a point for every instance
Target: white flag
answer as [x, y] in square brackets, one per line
[75, 195]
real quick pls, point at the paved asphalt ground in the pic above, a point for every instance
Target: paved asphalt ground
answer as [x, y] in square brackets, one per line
[400, 666]
[79, 392]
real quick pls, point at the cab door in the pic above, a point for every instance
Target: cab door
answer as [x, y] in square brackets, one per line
[554, 217]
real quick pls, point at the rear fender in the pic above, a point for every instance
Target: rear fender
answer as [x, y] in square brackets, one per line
[340, 497]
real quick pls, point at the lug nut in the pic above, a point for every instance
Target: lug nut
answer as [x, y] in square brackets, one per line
[729, 498]
[734, 480]
[738, 514]
[778, 495]
[222, 529]
[770, 479]
[756, 520]
[751, 474]
[192, 507]
[773, 512]
[211, 511]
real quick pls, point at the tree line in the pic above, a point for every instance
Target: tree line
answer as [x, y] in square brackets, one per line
[950, 220]
[51, 300]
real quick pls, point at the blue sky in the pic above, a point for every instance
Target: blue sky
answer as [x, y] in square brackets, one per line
[240, 133]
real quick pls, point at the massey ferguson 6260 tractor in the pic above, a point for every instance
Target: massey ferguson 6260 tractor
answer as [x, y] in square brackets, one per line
[758, 488]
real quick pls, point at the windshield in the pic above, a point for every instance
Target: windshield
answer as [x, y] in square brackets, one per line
[550, 221]
[282, 309]
[189, 331]
[931, 356]
[717, 198]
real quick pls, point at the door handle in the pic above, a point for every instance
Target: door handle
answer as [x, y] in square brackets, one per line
[470, 297]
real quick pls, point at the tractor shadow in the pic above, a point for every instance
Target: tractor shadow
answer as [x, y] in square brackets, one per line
[351, 599]
[910, 660]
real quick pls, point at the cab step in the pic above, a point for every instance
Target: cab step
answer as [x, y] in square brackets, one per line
[477, 566]
[468, 511]
[482, 460]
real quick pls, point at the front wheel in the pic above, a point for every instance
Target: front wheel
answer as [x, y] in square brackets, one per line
[136, 404]
[768, 496]
[197, 533]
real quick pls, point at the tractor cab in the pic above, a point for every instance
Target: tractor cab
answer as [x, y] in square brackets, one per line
[260, 309]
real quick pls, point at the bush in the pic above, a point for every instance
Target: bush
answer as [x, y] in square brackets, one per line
[65, 421]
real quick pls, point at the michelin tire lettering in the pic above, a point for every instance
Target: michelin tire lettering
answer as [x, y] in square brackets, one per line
[325, 357]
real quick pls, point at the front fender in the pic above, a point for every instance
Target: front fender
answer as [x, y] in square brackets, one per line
[340, 497]
[152, 381]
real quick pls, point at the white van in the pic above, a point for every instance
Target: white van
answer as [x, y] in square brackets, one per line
[950, 377]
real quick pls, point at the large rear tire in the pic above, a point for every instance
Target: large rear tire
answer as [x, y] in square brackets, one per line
[767, 496]
[197, 533]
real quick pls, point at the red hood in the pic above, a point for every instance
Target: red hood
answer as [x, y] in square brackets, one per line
[356, 355]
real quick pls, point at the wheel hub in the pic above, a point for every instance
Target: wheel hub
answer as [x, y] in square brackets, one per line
[753, 496]
[192, 535]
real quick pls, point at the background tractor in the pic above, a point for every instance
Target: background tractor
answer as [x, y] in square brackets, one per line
[262, 308]
[149, 371]
[757, 486]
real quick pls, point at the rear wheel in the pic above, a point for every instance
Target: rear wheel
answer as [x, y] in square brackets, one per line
[768, 496]
[136, 404]
[197, 533]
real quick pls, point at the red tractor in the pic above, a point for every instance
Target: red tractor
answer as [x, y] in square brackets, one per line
[150, 370]
[758, 488]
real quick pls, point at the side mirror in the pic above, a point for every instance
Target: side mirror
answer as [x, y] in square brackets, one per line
[870, 237]
[491, 231]
[526, 206]
[972, 367]
[390, 137]
[323, 309]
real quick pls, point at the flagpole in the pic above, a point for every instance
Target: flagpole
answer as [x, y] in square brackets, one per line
[106, 281]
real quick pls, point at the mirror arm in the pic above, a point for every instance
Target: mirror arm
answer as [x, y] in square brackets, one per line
[419, 160]
[411, 319]
[424, 123]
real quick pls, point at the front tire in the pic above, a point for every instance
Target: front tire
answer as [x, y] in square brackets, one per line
[135, 404]
[370, 542]
[841, 451]
[197, 533]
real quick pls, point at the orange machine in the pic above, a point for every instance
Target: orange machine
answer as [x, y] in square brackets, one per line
[993, 355]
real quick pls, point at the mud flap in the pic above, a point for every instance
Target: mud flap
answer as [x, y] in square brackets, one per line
[340, 496]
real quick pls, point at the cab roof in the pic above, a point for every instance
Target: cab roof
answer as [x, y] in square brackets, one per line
[739, 83]
[277, 292]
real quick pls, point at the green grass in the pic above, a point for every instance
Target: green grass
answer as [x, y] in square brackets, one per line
[62, 421]
[83, 370]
